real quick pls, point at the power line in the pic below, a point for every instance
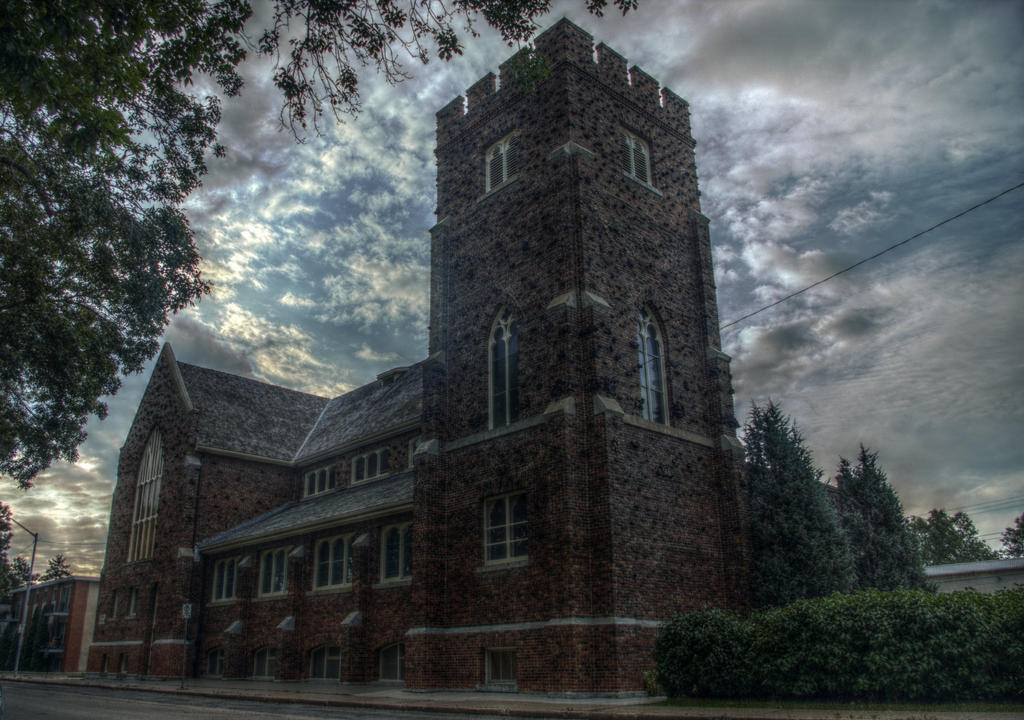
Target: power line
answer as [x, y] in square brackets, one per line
[872, 257]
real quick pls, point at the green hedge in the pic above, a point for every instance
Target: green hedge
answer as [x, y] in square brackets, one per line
[898, 645]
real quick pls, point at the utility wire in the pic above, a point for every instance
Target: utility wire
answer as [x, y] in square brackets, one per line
[872, 257]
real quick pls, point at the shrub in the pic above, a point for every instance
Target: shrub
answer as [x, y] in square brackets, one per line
[897, 645]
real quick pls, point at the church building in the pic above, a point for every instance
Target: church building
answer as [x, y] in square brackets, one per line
[522, 509]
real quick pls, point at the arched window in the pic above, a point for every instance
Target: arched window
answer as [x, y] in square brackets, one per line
[264, 662]
[650, 359]
[333, 563]
[502, 162]
[325, 663]
[504, 371]
[147, 499]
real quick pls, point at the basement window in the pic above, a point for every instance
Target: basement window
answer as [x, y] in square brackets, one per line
[392, 662]
[501, 666]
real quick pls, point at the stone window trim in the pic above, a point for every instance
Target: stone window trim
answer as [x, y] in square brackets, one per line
[635, 157]
[225, 580]
[395, 554]
[501, 163]
[147, 499]
[503, 371]
[318, 480]
[273, 579]
[505, 536]
[371, 465]
[332, 563]
[651, 368]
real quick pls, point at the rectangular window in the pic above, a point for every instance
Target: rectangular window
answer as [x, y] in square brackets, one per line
[319, 480]
[224, 576]
[333, 563]
[133, 599]
[274, 572]
[396, 552]
[501, 667]
[412, 450]
[114, 604]
[370, 465]
[505, 536]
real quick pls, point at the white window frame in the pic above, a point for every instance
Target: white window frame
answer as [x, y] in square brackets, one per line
[404, 553]
[635, 156]
[330, 652]
[649, 394]
[147, 499]
[318, 481]
[399, 649]
[508, 384]
[269, 658]
[225, 580]
[330, 545]
[501, 162]
[508, 543]
[277, 554]
[412, 450]
[501, 666]
[381, 458]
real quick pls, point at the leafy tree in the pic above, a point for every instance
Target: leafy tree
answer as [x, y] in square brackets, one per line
[57, 567]
[885, 552]
[1013, 539]
[102, 138]
[8, 646]
[949, 539]
[33, 645]
[13, 573]
[799, 549]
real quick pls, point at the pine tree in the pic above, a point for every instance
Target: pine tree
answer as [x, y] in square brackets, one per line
[885, 552]
[799, 549]
[57, 567]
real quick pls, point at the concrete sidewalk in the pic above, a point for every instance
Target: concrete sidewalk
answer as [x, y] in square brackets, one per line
[385, 697]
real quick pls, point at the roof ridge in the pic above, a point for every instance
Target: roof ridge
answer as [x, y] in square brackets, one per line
[252, 380]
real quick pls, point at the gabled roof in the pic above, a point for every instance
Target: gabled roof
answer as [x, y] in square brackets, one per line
[371, 410]
[249, 417]
[379, 497]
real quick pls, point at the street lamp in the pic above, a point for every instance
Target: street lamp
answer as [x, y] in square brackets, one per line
[28, 589]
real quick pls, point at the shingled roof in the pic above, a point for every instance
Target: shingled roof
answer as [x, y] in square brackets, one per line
[374, 498]
[377, 407]
[247, 416]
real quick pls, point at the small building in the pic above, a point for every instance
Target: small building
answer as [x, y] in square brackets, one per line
[68, 606]
[987, 576]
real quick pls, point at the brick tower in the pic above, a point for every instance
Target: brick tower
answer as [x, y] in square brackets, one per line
[579, 479]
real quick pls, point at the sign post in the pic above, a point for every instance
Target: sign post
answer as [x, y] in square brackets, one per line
[186, 614]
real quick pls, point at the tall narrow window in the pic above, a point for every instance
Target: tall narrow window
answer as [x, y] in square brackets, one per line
[634, 157]
[502, 162]
[396, 552]
[274, 572]
[147, 499]
[504, 371]
[224, 580]
[652, 378]
[333, 563]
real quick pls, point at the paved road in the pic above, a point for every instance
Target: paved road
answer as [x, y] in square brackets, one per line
[38, 702]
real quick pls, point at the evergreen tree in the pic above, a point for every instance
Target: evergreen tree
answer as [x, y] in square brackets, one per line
[57, 567]
[949, 539]
[1013, 539]
[885, 552]
[33, 646]
[799, 549]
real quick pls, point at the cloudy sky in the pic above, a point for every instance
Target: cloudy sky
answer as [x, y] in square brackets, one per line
[826, 131]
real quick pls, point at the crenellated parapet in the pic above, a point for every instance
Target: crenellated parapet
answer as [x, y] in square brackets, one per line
[565, 43]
